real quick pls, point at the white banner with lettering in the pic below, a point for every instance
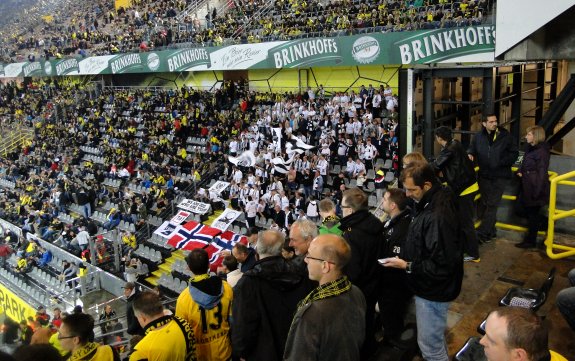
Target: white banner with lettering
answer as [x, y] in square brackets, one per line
[194, 206]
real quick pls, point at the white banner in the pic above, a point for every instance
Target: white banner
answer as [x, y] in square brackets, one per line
[226, 219]
[219, 187]
[180, 217]
[167, 229]
[194, 206]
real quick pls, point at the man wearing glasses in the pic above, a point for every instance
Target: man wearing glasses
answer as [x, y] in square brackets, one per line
[330, 322]
[76, 335]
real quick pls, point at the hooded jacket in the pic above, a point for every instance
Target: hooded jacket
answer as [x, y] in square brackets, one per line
[206, 305]
[364, 233]
[265, 300]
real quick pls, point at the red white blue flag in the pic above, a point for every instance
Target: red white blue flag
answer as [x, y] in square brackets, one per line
[193, 235]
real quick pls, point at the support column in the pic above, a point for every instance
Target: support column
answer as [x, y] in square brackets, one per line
[516, 101]
[465, 114]
[488, 91]
[406, 91]
[428, 114]
[540, 92]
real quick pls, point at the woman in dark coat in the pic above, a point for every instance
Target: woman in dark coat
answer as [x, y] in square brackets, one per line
[534, 190]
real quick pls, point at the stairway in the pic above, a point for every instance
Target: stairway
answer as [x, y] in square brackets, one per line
[166, 266]
[14, 139]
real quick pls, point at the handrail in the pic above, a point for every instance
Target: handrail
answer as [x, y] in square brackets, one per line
[555, 215]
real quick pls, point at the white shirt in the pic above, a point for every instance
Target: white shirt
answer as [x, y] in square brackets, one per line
[233, 146]
[83, 238]
[251, 209]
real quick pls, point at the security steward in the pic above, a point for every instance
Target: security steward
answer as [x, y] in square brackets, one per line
[167, 337]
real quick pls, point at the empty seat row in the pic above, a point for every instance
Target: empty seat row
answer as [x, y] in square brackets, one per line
[91, 150]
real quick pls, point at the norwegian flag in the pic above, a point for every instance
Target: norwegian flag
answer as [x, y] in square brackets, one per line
[193, 235]
[225, 241]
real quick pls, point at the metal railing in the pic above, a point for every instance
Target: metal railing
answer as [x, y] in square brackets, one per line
[557, 214]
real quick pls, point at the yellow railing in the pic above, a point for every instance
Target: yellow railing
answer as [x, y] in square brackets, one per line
[14, 140]
[513, 227]
[557, 214]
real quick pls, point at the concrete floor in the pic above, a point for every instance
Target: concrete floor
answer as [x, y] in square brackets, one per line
[503, 266]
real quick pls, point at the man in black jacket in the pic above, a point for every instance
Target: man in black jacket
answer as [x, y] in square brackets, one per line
[394, 294]
[495, 152]
[431, 257]
[134, 327]
[455, 168]
[364, 232]
[265, 300]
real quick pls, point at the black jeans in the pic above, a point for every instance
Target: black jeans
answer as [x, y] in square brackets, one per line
[491, 190]
[466, 210]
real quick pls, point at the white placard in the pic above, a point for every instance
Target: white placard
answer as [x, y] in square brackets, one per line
[226, 219]
[180, 217]
[219, 186]
[167, 229]
[194, 206]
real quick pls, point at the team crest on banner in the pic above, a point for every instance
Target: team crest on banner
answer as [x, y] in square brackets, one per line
[166, 230]
[226, 219]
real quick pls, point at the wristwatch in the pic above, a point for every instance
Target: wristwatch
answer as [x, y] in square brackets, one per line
[408, 267]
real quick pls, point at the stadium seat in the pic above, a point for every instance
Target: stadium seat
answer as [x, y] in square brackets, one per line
[471, 351]
[529, 297]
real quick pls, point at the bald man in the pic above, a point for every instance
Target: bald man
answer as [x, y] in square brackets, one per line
[333, 313]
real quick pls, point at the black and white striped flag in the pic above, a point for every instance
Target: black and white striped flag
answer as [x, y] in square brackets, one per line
[280, 165]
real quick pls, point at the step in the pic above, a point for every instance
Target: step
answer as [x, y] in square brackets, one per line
[165, 267]
[153, 280]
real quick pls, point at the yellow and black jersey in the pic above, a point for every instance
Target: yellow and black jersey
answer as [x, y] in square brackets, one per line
[169, 338]
[206, 305]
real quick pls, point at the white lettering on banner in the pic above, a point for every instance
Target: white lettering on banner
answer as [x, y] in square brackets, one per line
[304, 49]
[238, 55]
[219, 187]
[225, 219]
[194, 206]
[185, 58]
[180, 217]
[66, 65]
[125, 61]
[167, 229]
[429, 47]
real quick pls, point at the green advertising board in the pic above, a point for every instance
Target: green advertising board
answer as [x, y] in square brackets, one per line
[450, 45]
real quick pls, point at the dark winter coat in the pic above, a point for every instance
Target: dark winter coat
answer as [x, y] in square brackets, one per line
[265, 301]
[364, 233]
[434, 246]
[494, 156]
[534, 178]
[331, 329]
[456, 167]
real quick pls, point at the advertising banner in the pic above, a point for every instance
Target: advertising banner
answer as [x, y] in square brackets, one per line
[461, 44]
[13, 305]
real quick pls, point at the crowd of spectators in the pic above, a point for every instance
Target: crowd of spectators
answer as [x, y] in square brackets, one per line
[96, 28]
[142, 142]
